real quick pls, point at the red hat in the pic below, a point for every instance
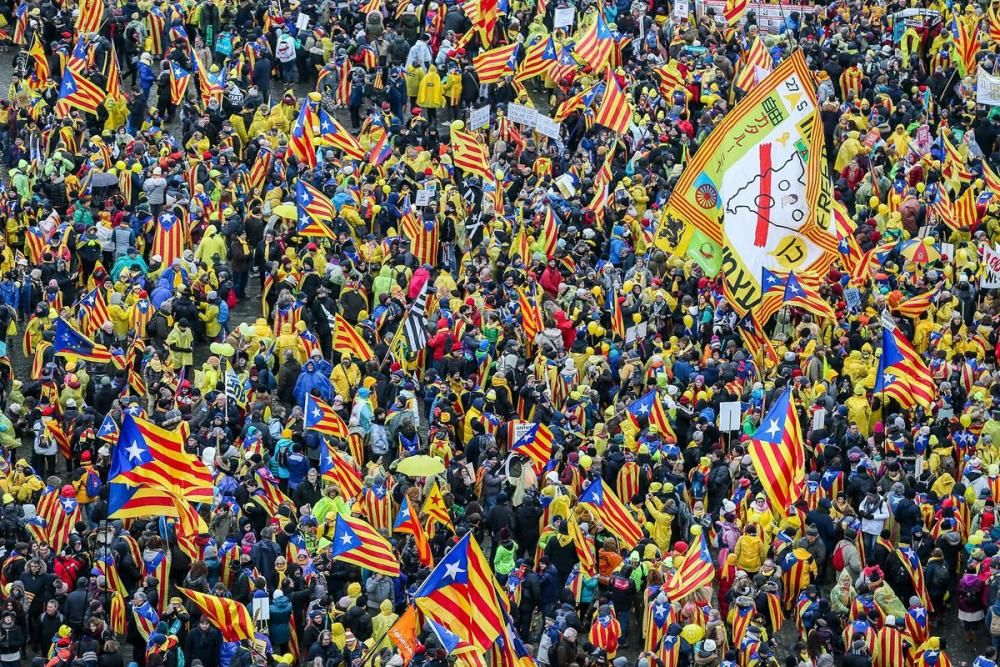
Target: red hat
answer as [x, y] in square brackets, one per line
[207, 155]
[85, 456]
[312, 246]
[428, 172]
[416, 111]
[67, 491]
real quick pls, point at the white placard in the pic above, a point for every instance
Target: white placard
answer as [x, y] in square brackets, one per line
[987, 88]
[563, 17]
[546, 126]
[991, 267]
[479, 118]
[522, 114]
[302, 22]
[681, 9]
[729, 416]
[948, 250]
[635, 332]
[770, 16]
[424, 197]
[819, 419]
[566, 186]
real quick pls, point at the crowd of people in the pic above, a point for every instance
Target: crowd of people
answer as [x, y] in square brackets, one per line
[271, 278]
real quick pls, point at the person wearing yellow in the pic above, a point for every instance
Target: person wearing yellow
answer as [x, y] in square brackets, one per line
[180, 342]
[346, 377]
[290, 340]
[859, 411]
[208, 313]
[212, 244]
[848, 150]
[430, 95]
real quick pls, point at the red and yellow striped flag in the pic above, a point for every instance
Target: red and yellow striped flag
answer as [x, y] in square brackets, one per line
[696, 571]
[778, 454]
[615, 112]
[231, 618]
[347, 340]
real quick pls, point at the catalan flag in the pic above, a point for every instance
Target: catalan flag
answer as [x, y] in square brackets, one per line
[320, 417]
[649, 406]
[60, 518]
[332, 133]
[994, 23]
[260, 170]
[316, 211]
[79, 92]
[564, 69]
[69, 341]
[157, 564]
[967, 45]
[734, 11]
[169, 236]
[844, 228]
[114, 76]
[549, 234]
[902, 373]
[615, 112]
[92, 311]
[407, 522]
[758, 344]
[20, 22]
[617, 321]
[535, 444]
[696, 571]
[37, 52]
[461, 593]
[347, 340]
[469, 154]
[493, 65]
[538, 60]
[90, 17]
[916, 306]
[531, 316]
[422, 234]
[435, 507]
[595, 45]
[966, 212]
[376, 504]
[230, 617]
[179, 80]
[149, 455]
[807, 298]
[146, 619]
[355, 541]
[778, 454]
[136, 502]
[302, 142]
[670, 77]
[757, 64]
[335, 468]
[611, 512]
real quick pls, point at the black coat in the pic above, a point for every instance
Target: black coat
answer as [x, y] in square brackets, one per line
[203, 645]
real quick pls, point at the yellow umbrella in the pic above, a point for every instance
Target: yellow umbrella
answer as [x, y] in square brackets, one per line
[921, 251]
[420, 465]
[286, 210]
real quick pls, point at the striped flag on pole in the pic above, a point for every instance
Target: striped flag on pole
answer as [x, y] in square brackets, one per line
[415, 324]
[612, 513]
[778, 454]
[229, 616]
[696, 571]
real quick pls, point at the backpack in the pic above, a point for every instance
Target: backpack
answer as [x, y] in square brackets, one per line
[92, 483]
[994, 625]
[838, 557]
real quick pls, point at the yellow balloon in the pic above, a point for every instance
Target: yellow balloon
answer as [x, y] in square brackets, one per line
[965, 420]
[586, 462]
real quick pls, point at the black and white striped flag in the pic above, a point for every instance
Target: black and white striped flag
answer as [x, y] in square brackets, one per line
[415, 325]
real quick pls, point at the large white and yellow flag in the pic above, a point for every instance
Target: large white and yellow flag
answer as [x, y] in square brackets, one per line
[758, 190]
